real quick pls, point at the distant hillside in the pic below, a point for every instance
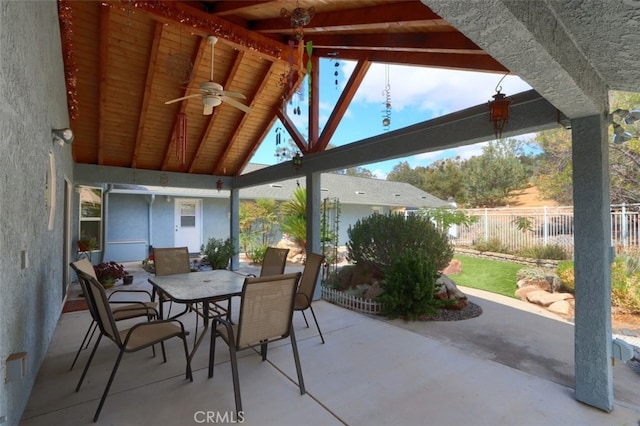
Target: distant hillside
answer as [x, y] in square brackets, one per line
[530, 197]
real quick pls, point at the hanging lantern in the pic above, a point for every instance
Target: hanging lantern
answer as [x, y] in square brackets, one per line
[499, 109]
[219, 185]
[499, 112]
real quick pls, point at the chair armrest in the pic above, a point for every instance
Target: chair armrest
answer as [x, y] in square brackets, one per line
[136, 306]
[130, 291]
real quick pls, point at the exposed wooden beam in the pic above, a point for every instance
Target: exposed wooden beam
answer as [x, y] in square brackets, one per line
[203, 47]
[358, 74]
[314, 103]
[436, 60]
[153, 59]
[211, 125]
[263, 79]
[104, 31]
[293, 130]
[409, 42]
[204, 24]
[230, 7]
[391, 15]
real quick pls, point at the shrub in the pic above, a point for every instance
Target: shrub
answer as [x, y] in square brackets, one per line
[256, 254]
[553, 251]
[410, 287]
[379, 239]
[493, 245]
[218, 252]
[566, 274]
[625, 286]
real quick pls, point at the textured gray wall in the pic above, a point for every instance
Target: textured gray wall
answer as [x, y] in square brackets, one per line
[32, 102]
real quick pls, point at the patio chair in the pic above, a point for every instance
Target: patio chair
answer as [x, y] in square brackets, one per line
[169, 261]
[138, 337]
[265, 316]
[274, 262]
[307, 287]
[121, 309]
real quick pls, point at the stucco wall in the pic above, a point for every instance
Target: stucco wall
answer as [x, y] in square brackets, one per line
[32, 102]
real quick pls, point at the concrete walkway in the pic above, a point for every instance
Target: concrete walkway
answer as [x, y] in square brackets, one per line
[510, 366]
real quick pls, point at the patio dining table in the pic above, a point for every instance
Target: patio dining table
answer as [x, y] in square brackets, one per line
[195, 287]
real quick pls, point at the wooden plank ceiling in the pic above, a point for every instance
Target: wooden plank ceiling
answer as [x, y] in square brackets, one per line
[124, 59]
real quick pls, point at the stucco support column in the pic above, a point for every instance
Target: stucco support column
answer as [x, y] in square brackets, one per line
[234, 226]
[313, 217]
[593, 256]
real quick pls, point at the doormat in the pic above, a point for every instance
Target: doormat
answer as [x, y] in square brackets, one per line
[75, 305]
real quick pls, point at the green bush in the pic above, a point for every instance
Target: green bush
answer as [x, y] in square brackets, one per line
[410, 287]
[549, 251]
[256, 254]
[566, 274]
[493, 245]
[218, 252]
[625, 285]
[380, 239]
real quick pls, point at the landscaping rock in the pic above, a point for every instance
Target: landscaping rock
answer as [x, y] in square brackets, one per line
[522, 291]
[545, 298]
[454, 267]
[561, 307]
[373, 291]
[449, 290]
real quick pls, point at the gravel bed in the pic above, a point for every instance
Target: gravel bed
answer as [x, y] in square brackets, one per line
[470, 311]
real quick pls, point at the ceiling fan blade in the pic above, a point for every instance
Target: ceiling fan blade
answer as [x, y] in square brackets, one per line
[208, 110]
[183, 98]
[236, 104]
[232, 94]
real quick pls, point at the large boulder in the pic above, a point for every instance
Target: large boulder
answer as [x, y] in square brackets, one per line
[454, 268]
[449, 290]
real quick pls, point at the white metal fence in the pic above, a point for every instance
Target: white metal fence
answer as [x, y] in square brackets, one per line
[518, 228]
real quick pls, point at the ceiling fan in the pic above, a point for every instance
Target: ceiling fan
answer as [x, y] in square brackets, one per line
[212, 93]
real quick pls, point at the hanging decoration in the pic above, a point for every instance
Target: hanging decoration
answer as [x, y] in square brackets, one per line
[335, 73]
[181, 138]
[386, 118]
[298, 18]
[499, 109]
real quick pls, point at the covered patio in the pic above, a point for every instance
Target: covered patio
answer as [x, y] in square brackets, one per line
[370, 371]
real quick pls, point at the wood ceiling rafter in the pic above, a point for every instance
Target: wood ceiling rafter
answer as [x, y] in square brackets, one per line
[205, 24]
[229, 7]
[350, 89]
[297, 137]
[203, 47]
[104, 33]
[483, 63]
[409, 42]
[263, 79]
[384, 16]
[153, 60]
[210, 125]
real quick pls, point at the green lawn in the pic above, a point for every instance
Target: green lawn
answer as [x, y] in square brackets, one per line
[490, 275]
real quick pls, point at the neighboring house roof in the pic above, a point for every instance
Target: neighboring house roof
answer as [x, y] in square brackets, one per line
[348, 189]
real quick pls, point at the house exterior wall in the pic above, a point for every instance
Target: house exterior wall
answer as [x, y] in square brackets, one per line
[130, 233]
[32, 103]
[349, 215]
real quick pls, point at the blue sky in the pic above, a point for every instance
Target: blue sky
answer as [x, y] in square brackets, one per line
[417, 94]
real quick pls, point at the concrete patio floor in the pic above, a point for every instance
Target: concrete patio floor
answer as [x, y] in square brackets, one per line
[513, 365]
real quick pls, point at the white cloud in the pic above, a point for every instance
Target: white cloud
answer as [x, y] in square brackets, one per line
[440, 91]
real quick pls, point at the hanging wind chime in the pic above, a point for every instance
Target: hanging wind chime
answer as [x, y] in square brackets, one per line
[298, 18]
[386, 118]
[181, 139]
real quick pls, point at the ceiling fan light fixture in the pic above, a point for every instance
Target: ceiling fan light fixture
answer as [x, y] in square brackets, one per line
[211, 100]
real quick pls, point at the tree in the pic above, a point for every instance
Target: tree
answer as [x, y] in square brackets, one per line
[491, 176]
[554, 173]
[257, 219]
[402, 172]
[357, 172]
[445, 179]
[294, 217]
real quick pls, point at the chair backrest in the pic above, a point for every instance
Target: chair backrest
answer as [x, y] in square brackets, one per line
[266, 309]
[171, 260]
[310, 275]
[275, 260]
[104, 316]
[85, 266]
